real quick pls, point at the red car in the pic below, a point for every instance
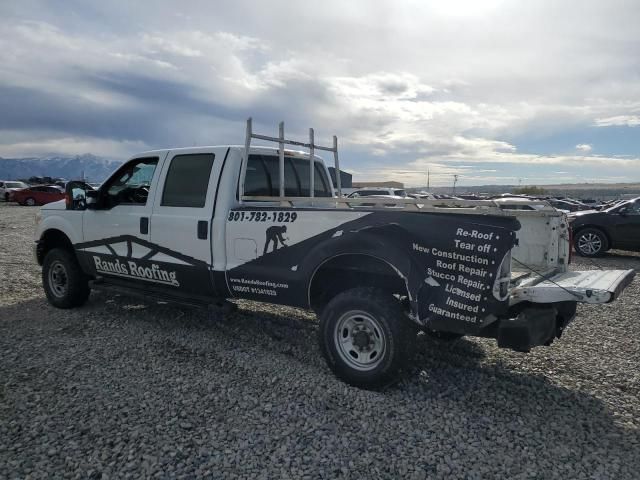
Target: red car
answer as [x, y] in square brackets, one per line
[38, 195]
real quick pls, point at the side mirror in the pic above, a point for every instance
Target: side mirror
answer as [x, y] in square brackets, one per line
[75, 195]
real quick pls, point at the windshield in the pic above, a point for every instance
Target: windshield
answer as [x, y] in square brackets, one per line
[400, 193]
[617, 205]
[15, 185]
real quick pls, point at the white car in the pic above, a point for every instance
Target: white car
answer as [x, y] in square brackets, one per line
[377, 192]
[7, 187]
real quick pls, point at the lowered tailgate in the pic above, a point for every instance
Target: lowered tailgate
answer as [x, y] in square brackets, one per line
[591, 286]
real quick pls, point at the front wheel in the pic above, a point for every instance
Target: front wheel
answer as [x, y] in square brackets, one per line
[590, 242]
[365, 337]
[65, 284]
[30, 201]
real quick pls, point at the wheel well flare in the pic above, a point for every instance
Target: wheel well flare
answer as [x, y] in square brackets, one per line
[52, 239]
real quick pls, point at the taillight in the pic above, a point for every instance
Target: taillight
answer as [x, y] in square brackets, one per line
[570, 244]
[67, 200]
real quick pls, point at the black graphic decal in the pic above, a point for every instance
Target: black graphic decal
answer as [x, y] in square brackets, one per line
[275, 235]
[449, 264]
[179, 271]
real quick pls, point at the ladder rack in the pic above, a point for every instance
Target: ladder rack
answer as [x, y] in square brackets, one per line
[487, 207]
[282, 141]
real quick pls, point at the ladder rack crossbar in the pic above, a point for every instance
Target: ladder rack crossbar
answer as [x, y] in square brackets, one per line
[292, 142]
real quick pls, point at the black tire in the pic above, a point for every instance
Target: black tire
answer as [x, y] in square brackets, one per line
[64, 282]
[590, 242]
[6, 197]
[372, 322]
[31, 202]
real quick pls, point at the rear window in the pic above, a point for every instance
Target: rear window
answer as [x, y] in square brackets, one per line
[400, 193]
[263, 177]
[187, 181]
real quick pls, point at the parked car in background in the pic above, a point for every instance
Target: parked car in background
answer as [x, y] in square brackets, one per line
[38, 195]
[386, 191]
[7, 187]
[568, 205]
[595, 232]
[518, 203]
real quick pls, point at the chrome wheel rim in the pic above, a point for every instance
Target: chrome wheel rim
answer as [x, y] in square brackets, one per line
[360, 340]
[31, 202]
[58, 280]
[589, 243]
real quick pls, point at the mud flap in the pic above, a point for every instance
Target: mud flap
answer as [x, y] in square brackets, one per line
[532, 327]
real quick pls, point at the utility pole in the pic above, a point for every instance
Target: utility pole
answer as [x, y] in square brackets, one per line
[455, 180]
[428, 178]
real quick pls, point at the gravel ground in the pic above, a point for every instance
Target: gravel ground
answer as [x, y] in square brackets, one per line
[121, 388]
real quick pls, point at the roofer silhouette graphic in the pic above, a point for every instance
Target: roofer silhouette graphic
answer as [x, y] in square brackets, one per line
[274, 234]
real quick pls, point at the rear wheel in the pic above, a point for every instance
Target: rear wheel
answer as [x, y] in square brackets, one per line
[65, 284]
[30, 201]
[365, 337]
[590, 242]
[6, 197]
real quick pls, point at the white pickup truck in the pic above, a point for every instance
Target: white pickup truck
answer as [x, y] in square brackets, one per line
[203, 225]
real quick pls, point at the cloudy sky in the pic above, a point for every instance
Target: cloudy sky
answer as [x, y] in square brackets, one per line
[495, 91]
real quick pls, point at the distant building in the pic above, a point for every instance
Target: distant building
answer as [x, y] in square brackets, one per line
[345, 178]
[378, 184]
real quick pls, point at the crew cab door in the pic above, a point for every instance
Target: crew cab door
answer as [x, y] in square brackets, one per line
[627, 225]
[180, 225]
[116, 230]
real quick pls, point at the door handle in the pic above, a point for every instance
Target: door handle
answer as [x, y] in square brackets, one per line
[202, 229]
[144, 225]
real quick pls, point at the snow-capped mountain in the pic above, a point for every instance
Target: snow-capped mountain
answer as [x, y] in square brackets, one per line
[94, 168]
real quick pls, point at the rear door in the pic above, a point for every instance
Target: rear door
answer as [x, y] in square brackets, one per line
[181, 220]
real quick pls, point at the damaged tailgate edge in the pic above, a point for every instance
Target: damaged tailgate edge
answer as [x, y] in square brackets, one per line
[591, 286]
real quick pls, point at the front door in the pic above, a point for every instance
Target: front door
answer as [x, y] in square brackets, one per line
[116, 232]
[181, 220]
[628, 226]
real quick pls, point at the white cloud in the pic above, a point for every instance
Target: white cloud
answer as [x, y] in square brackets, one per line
[619, 120]
[584, 147]
[71, 146]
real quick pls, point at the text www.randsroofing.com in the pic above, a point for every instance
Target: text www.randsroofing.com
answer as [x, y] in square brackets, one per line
[257, 287]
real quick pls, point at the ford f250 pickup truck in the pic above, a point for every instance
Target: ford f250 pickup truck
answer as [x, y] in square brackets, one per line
[205, 225]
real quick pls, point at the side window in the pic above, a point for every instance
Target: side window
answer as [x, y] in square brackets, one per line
[257, 182]
[187, 180]
[634, 208]
[131, 185]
